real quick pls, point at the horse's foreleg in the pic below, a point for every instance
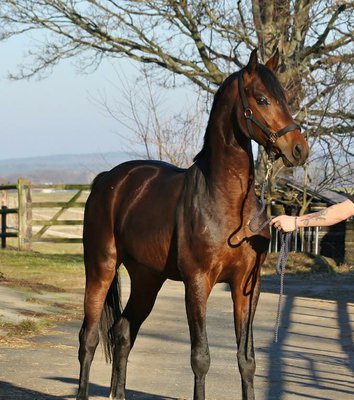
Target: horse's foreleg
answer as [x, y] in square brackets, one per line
[144, 290]
[245, 298]
[197, 293]
[99, 275]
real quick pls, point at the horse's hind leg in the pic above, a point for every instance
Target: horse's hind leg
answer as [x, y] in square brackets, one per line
[100, 265]
[144, 289]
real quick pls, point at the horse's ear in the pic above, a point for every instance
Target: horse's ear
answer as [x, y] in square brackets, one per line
[252, 62]
[273, 62]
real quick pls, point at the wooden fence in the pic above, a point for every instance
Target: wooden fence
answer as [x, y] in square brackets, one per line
[4, 212]
[31, 228]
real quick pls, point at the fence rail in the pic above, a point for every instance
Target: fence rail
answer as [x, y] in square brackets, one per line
[32, 228]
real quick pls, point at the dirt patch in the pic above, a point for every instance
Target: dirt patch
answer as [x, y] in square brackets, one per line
[32, 285]
[25, 312]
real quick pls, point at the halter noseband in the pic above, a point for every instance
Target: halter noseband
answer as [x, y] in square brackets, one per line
[272, 136]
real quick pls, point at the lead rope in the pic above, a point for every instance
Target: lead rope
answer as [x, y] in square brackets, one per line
[254, 229]
[281, 264]
[285, 239]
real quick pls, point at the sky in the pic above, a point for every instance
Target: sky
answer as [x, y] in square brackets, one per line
[59, 114]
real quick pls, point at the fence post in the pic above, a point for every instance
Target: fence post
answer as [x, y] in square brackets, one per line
[349, 242]
[24, 215]
[3, 227]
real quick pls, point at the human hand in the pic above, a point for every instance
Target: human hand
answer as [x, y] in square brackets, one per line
[284, 223]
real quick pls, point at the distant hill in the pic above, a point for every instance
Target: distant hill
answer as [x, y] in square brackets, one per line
[73, 168]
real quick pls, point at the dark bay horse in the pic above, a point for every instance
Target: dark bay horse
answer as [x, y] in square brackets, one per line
[190, 225]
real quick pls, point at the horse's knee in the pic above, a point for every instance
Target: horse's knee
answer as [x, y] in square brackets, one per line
[200, 360]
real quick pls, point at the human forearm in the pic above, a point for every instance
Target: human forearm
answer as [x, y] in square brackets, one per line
[328, 216]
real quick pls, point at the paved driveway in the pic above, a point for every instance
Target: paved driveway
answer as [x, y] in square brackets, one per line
[314, 358]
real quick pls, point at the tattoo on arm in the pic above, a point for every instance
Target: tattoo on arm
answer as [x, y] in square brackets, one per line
[321, 215]
[306, 221]
[318, 216]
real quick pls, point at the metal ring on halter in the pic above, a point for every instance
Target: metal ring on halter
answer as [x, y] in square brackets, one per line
[248, 113]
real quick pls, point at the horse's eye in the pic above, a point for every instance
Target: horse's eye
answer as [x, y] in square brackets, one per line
[263, 101]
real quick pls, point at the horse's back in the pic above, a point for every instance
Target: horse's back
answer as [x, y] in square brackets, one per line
[136, 203]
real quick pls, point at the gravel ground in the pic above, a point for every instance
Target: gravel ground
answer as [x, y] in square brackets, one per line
[313, 359]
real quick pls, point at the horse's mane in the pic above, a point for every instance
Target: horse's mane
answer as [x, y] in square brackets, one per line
[217, 95]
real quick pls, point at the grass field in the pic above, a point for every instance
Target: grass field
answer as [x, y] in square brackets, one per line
[59, 271]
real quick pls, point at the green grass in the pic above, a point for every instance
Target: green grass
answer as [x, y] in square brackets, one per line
[26, 327]
[32, 300]
[61, 271]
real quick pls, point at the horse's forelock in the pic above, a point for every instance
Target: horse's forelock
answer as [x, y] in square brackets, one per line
[271, 82]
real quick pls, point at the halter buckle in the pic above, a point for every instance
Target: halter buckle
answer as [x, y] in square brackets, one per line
[248, 113]
[273, 138]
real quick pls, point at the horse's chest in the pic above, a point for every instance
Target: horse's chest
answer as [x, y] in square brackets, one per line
[215, 246]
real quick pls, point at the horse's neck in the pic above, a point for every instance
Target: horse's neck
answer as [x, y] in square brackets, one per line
[227, 159]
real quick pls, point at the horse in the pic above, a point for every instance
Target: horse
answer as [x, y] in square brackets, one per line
[190, 225]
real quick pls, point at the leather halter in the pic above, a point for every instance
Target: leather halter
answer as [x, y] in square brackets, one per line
[247, 112]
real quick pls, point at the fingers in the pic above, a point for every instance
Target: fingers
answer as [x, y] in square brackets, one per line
[273, 221]
[276, 222]
[278, 226]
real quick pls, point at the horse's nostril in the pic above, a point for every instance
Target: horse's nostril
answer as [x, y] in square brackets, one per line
[297, 151]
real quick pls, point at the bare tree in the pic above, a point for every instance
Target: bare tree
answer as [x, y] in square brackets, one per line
[156, 131]
[203, 41]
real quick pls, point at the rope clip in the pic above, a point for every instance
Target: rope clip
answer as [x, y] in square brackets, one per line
[269, 167]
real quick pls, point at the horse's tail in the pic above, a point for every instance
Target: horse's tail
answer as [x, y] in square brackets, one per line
[112, 312]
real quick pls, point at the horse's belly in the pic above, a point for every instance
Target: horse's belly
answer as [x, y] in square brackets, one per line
[145, 234]
[147, 248]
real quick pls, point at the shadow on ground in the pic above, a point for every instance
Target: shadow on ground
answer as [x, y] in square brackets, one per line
[9, 391]
[338, 290]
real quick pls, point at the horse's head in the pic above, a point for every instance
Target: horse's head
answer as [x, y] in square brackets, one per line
[264, 115]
